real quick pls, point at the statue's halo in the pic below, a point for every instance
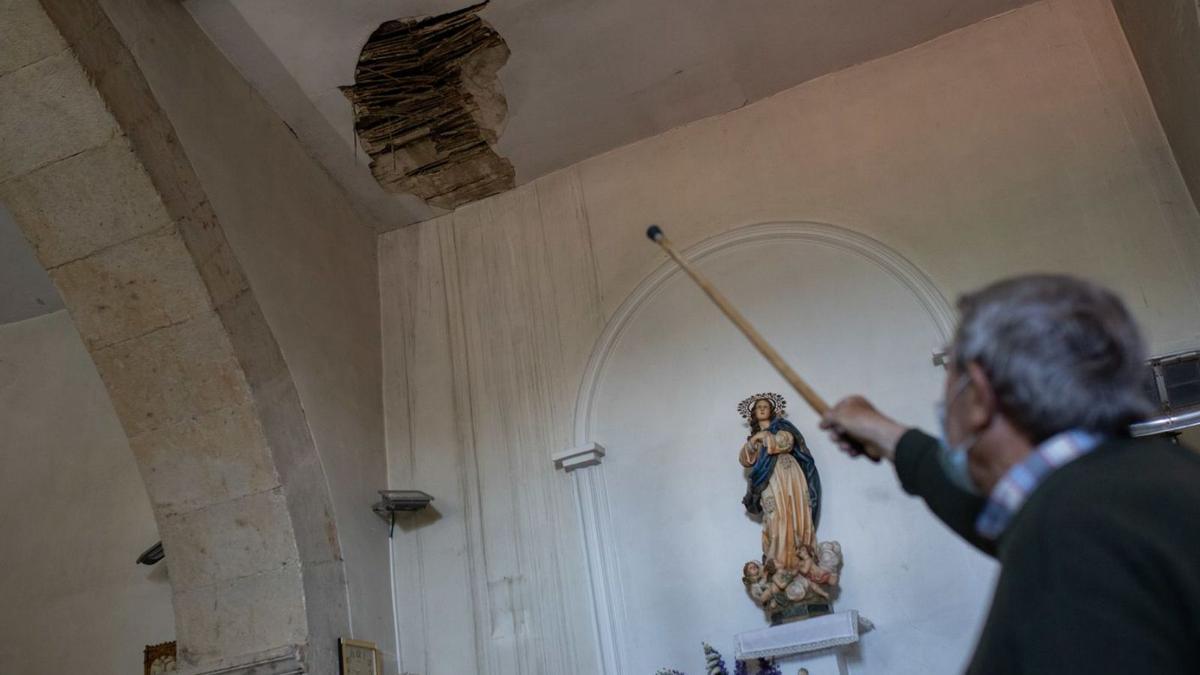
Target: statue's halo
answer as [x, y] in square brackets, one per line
[780, 403]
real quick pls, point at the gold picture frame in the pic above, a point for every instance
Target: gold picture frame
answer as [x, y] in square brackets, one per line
[359, 657]
[159, 658]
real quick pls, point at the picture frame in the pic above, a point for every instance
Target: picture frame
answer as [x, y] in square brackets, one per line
[159, 658]
[359, 657]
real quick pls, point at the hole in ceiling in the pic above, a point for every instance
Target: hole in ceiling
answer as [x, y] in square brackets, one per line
[428, 107]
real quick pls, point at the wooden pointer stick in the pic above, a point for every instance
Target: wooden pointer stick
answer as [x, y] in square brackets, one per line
[810, 397]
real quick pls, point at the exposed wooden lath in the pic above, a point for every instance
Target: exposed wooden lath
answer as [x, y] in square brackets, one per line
[428, 106]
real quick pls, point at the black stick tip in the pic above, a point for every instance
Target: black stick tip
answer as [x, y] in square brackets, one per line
[654, 232]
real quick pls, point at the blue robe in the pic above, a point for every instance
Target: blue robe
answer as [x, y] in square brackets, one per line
[764, 466]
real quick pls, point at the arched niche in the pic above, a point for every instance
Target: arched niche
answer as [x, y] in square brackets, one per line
[660, 393]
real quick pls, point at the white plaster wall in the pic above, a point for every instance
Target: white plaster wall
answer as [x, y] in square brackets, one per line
[1165, 37]
[74, 515]
[1026, 142]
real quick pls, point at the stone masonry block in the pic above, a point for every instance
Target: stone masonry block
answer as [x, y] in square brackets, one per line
[325, 597]
[214, 257]
[172, 374]
[307, 491]
[131, 289]
[253, 341]
[286, 426]
[233, 539]
[82, 204]
[26, 35]
[50, 112]
[205, 459]
[223, 276]
[200, 228]
[240, 616]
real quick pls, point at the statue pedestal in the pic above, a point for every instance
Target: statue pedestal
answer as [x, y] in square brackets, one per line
[795, 612]
[816, 644]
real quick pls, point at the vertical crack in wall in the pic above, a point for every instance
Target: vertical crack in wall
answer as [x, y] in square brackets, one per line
[428, 107]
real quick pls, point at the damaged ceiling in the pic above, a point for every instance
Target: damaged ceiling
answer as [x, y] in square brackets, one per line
[525, 87]
[428, 108]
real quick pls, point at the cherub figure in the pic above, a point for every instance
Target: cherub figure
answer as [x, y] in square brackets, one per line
[767, 584]
[813, 571]
[802, 589]
[757, 582]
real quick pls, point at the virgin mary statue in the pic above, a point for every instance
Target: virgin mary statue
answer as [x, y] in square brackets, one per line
[783, 485]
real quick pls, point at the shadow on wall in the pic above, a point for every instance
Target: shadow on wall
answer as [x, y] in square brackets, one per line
[25, 289]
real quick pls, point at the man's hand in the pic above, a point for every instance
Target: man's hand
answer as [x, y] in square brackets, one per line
[855, 419]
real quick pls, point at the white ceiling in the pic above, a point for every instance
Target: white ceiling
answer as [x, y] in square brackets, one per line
[585, 76]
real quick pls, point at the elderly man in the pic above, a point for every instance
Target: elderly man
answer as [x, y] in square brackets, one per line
[1097, 534]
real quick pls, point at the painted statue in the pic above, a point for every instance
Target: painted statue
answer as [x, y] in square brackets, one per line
[783, 484]
[796, 575]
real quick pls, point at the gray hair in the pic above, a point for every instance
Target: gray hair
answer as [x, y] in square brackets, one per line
[1061, 353]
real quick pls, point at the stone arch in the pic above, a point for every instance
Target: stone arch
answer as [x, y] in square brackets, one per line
[93, 173]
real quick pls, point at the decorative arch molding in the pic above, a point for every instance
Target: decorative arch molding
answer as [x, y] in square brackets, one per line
[608, 606]
[873, 250]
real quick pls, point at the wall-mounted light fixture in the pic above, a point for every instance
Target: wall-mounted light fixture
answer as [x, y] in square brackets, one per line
[941, 358]
[1173, 384]
[400, 500]
[152, 555]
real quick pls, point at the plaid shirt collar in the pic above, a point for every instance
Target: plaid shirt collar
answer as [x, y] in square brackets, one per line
[1021, 480]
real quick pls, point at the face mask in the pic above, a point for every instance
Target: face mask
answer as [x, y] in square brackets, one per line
[954, 458]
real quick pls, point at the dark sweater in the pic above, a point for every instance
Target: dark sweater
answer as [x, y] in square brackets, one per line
[1100, 569]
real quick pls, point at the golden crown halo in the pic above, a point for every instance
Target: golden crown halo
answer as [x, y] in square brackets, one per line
[746, 406]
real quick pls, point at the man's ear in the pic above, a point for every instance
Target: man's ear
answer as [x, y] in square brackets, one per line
[980, 399]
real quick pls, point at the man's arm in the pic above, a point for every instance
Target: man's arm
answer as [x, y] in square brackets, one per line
[915, 455]
[921, 474]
